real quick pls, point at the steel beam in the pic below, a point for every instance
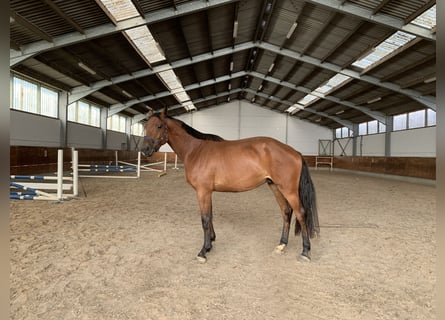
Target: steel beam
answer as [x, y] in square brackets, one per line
[378, 18]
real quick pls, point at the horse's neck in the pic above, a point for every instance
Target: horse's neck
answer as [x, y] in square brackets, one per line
[180, 141]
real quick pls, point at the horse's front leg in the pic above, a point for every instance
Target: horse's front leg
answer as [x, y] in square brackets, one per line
[205, 206]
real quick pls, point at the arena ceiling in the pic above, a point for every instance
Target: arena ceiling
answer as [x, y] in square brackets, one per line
[334, 63]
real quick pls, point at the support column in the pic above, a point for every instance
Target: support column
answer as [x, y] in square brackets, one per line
[103, 126]
[388, 132]
[128, 133]
[63, 117]
[354, 139]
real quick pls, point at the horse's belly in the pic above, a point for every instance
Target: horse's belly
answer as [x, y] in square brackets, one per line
[238, 181]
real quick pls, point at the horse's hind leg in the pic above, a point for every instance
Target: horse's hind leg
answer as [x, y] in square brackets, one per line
[205, 205]
[300, 215]
[286, 212]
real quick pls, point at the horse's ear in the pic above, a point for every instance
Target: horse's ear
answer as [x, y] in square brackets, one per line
[150, 112]
[164, 113]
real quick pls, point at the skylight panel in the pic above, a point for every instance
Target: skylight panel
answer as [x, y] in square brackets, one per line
[307, 99]
[182, 96]
[394, 42]
[170, 79]
[333, 83]
[294, 108]
[143, 40]
[427, 19]
[120, 9]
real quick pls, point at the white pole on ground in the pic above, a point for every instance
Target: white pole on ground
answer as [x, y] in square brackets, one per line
[117, 161]
[139, 165]
[165, 161]
[59, 174]
[176, 161]
[75, 173]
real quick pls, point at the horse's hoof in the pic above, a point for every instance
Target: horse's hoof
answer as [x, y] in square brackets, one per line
[280, 248]
[201, 259]
[303, 258]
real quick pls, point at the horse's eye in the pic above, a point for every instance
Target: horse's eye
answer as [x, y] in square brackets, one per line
[159, 126]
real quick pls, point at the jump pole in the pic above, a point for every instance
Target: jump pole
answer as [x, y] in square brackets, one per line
[58, 186]
[60, 174]
[75, 165]
[139, 165]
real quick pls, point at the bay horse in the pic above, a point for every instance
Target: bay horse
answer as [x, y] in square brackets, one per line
[214, 164]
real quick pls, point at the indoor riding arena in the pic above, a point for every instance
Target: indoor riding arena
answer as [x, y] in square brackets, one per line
[223, 159]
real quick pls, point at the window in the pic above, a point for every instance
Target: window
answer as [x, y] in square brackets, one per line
[343, 132]
[382, 127]
[372, 127]
[338, 133]
[85, 113]
[117, 123]
[416, 119]
[33, 97]
[399, 122]
[362, 129]
[431, 117]
[49, 101]
[137, 129]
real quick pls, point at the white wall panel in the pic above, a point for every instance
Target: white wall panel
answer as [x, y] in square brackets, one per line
[415, 142]
[237, 120]
[304, 136]
[371, 145]
[257, 121]
[115, 140]
[222, 120]
[83, 136]
[29, 129]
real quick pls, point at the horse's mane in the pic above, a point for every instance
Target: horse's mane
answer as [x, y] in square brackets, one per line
[197, 134]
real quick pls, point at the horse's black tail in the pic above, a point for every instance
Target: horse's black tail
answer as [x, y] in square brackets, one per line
[308, 203]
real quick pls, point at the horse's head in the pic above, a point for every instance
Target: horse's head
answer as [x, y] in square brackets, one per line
[156, 132]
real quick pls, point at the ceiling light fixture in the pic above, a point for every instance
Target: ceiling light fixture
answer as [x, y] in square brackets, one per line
[374, 100]
[291, 30]
[430, 80]
[235, 29]
[86, 68]
[271, 67]
[127, 94]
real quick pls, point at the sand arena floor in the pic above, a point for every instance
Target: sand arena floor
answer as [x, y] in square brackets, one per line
[126, 250]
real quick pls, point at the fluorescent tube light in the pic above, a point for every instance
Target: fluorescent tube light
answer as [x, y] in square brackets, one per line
[291, 30]
[86, 68]
[235, 29]
[374, 100]
[127, 94]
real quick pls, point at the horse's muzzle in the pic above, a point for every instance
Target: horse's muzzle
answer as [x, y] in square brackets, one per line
[150, 146]
[148, 151]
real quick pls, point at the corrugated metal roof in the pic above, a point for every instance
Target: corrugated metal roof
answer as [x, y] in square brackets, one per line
[225, 50]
